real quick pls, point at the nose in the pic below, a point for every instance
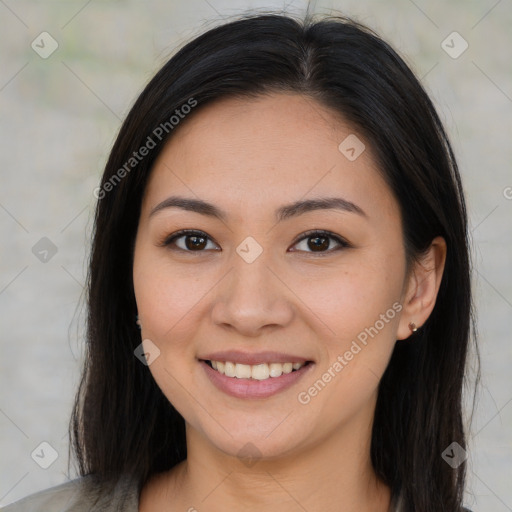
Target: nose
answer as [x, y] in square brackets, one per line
[252, 298]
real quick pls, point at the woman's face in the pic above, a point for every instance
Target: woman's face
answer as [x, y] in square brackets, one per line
[254, 287]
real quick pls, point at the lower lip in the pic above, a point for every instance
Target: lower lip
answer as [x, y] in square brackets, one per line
[252, 388]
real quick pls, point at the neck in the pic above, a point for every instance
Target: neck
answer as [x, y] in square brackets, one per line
[332, 475]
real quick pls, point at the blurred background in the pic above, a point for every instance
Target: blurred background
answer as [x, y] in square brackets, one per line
[70, 71]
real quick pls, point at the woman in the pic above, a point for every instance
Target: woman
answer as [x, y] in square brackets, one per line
[279, 288]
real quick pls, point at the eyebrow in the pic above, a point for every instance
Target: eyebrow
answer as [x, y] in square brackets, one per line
[282, 213]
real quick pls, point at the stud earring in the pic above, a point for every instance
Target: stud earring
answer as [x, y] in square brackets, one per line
[412, 327]
[137, 321]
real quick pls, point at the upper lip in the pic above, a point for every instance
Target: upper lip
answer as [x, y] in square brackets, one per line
[236, 356]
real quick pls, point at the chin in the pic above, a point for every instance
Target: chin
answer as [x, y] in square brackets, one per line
[256, 438]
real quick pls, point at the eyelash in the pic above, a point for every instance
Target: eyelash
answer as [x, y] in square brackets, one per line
[343, 244]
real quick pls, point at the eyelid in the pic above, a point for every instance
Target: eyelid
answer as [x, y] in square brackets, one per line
[343, 244]
[168, 239]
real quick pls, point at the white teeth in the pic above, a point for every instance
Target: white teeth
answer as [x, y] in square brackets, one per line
[260, 371]
[257, 371]
[229, 369]
[242, 371]
[287, 367]
[276, 369]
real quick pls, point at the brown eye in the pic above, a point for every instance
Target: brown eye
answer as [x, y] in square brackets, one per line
[189, 241]
[312, 242]
[321, 242]
[195, 242]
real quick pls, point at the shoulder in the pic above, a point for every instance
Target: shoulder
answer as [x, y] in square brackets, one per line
[62, 497]
[81, 495]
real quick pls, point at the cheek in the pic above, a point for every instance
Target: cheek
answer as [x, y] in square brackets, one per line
[164, 305]
[170, 306]
[168, 297]
[354, 297]
[364, 320]
[360, 307]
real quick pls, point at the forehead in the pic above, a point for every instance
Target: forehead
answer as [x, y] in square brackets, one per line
[247, 153]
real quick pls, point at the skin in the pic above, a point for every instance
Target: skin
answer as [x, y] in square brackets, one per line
[249, 157]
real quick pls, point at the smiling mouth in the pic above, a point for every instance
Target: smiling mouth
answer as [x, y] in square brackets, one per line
[262, 371]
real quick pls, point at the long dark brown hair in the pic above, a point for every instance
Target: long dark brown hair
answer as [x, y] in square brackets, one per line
[122, 424]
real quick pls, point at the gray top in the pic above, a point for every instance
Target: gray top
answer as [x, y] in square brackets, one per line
[78, 496]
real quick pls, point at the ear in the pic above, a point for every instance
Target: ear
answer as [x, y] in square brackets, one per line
[422, 287]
